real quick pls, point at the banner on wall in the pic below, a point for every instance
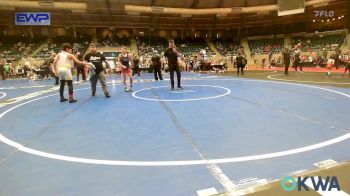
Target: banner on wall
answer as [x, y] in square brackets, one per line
[33, 18]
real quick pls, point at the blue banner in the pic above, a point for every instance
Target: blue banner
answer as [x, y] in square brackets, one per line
[33, 18]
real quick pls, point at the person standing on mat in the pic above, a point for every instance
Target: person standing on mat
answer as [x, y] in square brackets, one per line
[336, 58]
[171, 55]
[239, 62]
[346, 61]
[125, 60]
[297, 61]
[63, 64]
[7, 70]
[96, 58]
[286, 60]
[136, 66]
[157, 67]
[330, 65]
[80, 67]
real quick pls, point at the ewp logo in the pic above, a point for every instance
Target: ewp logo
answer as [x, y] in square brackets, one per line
[314, 182]
[33, 18]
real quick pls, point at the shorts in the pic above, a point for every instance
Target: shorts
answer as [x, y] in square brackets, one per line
[126, 71]
[65, 74]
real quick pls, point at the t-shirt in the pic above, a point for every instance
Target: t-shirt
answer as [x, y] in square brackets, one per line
[286, 57]
[239, 60]
[156, 61]
[244, 61]
[96, 59]
[336, 59]
[171, 56]
[7, 68]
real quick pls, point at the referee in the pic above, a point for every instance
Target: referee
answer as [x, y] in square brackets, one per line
[171, 55]
[286, 60]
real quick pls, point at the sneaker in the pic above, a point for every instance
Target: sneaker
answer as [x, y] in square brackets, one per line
[172, 89]
[125, 89]
[107, 96]
[93, 94]
[63, 100]
[72, 101]
[180, 88]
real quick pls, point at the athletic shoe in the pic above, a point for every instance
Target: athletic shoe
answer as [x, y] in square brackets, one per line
[63, 100]
[180, 88]
[93, 94]
[126, 89]
[72, 101]
[172, 89]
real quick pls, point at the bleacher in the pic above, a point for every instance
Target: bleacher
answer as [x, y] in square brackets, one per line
[113, 42]
[148, 46]
[16, 47]
[321, 42]
[54, 45]
[264, 46]
[192, 46]
[228, 47]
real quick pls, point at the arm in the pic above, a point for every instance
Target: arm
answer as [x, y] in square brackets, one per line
[107, 64]
[103, 58]
[86, 60]
[53, 68]
[72, 57]
[131, 61]
[177, 51]
[54, 64]
[165, 57]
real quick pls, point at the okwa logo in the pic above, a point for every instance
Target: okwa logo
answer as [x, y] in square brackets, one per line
[330, 183]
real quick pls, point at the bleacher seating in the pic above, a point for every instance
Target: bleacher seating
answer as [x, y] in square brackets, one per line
[228, 47]
[54, 45]
[264, 46]
[316, 43]
[14, 47]
[192, 46]
[113, 42]
[148, 46]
